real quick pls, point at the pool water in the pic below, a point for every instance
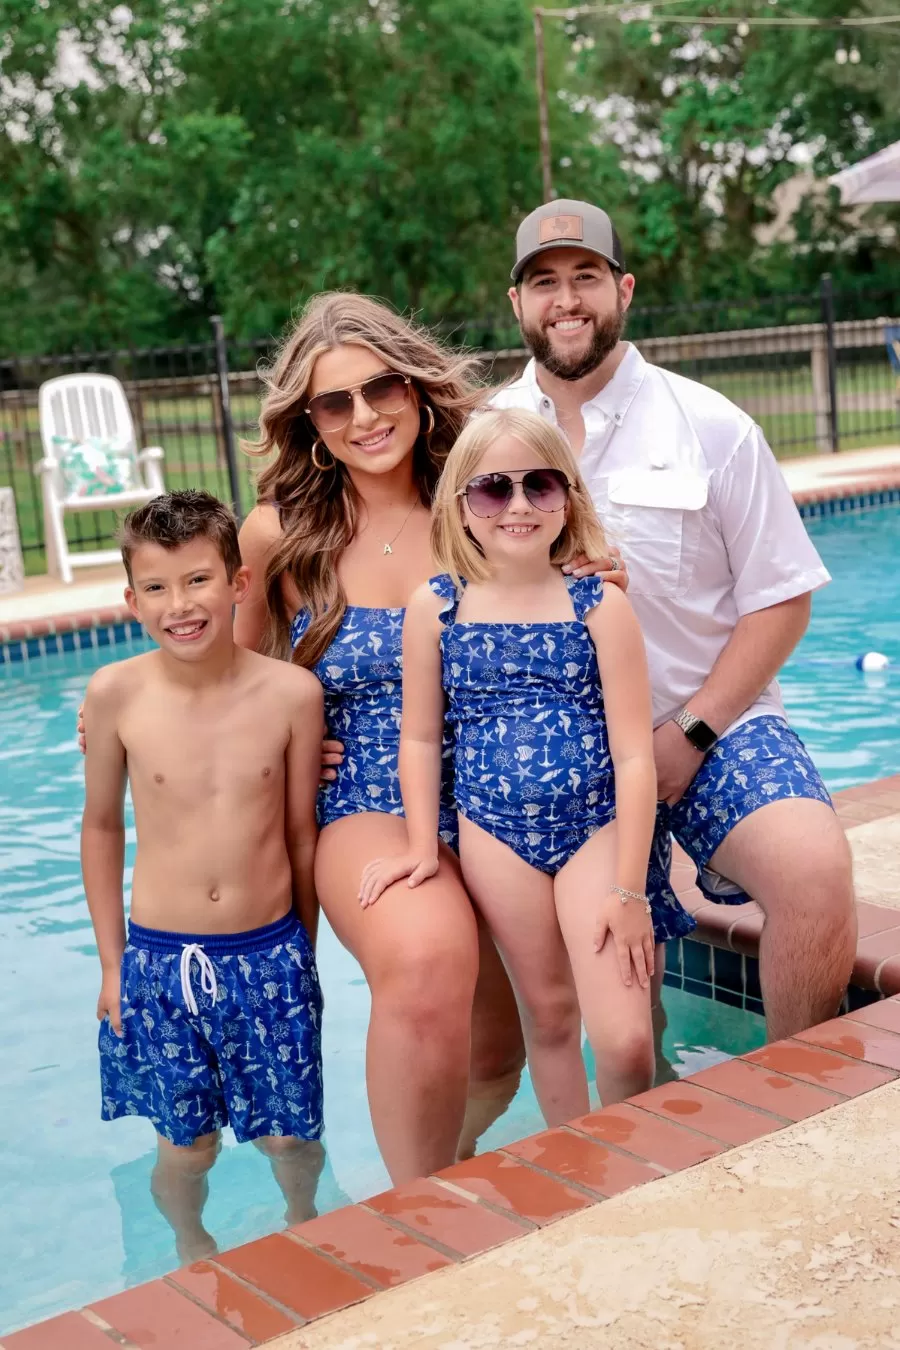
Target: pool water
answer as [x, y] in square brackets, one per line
[78, 1221]
[851, 721]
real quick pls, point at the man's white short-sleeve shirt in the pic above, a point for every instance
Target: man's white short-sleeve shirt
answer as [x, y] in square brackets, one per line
[687, 487]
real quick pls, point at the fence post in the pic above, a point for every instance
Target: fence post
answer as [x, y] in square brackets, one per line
[818, 360]
[826, 291]
[221, 351]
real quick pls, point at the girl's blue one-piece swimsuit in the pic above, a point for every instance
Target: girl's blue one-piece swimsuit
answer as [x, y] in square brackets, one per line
[532, 764]
[361, 674]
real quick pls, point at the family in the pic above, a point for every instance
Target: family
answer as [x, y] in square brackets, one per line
[511, 745]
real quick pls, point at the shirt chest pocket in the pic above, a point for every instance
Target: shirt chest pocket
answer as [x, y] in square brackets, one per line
[654, 515]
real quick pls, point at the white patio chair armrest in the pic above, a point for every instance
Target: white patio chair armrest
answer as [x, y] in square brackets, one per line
[151, 452]
[46, 465]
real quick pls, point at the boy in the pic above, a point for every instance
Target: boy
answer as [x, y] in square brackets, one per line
[210, 1008]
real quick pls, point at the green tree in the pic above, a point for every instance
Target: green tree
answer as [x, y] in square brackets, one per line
[169, 161]
[166, 163]
[708, 123]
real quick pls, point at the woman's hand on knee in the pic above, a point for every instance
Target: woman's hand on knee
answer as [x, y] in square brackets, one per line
[383, 872]
[332, 759]
[630, 927]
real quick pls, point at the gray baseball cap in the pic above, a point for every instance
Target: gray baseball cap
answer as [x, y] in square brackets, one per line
[567, 224]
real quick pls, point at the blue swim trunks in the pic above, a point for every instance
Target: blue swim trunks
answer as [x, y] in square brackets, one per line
[222, 1030]
[763, 761]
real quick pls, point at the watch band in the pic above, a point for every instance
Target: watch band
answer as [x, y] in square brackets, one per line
[699, 733]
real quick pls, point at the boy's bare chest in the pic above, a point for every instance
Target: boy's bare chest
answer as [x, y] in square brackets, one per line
[194, 755]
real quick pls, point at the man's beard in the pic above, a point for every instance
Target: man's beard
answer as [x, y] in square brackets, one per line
[607, 333]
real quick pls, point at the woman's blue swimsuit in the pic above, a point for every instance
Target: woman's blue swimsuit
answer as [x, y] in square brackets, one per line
[532, 761]
[361, 674]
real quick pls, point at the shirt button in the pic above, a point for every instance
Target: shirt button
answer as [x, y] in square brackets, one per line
[618, 419]
[545, 403]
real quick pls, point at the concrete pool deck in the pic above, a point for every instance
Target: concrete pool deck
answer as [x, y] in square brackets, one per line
[46, 606]
[790, 1241]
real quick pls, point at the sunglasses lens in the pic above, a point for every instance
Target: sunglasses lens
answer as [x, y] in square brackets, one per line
[386, 393]
[547, 489]
[489, 494]
[330, 412]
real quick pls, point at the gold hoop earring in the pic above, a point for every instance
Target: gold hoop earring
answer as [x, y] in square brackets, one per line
[322, 468]
[430, 428]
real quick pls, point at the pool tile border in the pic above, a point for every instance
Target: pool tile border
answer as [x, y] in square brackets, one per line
[833, 501]
[253, 1293]
[30, 639]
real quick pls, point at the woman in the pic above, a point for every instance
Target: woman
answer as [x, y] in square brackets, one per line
[361, 410]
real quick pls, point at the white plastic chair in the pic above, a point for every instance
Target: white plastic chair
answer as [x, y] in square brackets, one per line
[80, 406]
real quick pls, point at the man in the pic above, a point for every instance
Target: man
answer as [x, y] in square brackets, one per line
[721, 575]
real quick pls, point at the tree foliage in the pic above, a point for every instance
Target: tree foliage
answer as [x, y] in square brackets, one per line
[710, 123]
[167, 162]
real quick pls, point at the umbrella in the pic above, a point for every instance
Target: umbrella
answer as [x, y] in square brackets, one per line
[876, 179]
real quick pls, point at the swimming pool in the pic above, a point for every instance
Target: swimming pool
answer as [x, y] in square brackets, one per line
[78, 1222]
[850, 720]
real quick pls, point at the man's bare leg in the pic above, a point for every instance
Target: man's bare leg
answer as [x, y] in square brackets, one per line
[180, 1186]
[792, 857]
[296, 1165]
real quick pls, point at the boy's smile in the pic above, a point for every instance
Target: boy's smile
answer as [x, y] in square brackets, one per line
[186, 632]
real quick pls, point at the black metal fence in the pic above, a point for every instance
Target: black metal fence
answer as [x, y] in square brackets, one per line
[820, 372]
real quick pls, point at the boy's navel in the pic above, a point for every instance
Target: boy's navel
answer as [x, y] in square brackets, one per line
[158, 778]
[266, 772]
[214, 894]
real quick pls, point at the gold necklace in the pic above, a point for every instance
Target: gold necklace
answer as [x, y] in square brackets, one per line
[386, 548]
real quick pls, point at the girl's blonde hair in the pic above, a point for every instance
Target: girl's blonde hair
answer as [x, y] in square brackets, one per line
[319, 511]
[454, 549]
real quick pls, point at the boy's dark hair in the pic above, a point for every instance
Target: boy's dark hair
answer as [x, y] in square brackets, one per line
[176, 518]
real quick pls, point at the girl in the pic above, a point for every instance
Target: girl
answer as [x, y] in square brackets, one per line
[547, 689]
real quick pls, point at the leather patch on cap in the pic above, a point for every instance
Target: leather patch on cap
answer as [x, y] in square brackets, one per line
[561, 227]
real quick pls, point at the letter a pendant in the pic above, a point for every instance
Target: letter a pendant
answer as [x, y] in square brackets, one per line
[388, 549]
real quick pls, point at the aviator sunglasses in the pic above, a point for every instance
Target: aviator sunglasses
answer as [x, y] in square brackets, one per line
[387, 393]
[490, 493]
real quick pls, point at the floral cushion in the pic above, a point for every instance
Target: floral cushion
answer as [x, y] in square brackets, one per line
[96, 467]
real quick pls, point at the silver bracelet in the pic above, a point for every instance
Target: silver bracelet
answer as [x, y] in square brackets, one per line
[626, 895]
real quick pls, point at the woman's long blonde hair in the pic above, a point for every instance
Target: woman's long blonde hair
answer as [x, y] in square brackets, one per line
[454, 549]
[319, 511]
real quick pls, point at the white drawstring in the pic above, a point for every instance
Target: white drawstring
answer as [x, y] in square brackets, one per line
[207, 975]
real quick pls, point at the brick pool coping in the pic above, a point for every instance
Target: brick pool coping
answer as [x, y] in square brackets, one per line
[20, 630]
[256, 1292]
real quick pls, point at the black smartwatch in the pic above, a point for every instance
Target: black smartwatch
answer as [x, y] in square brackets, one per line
[699, 733]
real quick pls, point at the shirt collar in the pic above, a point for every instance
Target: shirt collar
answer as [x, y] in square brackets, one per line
[614, 399]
